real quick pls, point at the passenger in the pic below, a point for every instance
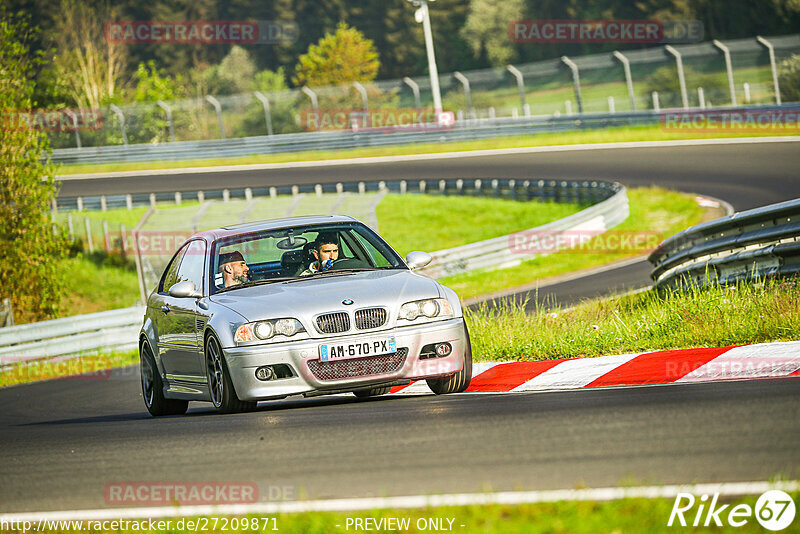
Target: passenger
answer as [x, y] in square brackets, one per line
[233, 268]
[326, 251]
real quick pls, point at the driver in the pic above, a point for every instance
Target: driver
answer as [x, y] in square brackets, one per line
[326, 251]
[233, 268]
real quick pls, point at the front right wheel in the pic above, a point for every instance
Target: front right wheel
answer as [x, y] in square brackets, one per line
[458, 382]
[223, 396]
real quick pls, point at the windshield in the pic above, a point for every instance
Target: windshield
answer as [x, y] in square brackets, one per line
[292, 253]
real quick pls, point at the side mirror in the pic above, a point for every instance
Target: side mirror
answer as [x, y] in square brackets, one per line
[184, 289]
[418, 259]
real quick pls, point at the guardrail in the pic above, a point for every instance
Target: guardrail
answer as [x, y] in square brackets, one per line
[754, 244]
[499, 252]
[464, 130]
[116, 329]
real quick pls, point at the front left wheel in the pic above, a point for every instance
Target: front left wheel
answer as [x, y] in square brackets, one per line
[223, 396]
[153, 387]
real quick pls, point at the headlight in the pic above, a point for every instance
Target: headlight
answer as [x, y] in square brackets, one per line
[263, 330]
[429, 308]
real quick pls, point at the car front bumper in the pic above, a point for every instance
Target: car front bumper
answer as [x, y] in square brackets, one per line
[243, 361]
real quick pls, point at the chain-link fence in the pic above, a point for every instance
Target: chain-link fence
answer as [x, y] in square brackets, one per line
[597, 83]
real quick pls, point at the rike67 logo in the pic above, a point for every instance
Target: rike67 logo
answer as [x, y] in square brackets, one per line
[774, 510]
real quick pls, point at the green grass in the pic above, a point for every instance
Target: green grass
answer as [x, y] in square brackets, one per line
[95, 366]
[609, 135]
[713, 317]
[623, 516]
[655, 213]
[96, 284]
[421, 222]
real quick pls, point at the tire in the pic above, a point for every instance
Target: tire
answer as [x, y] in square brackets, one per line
[374, 392]
[458, 382]
[223, 396]
[153, 387]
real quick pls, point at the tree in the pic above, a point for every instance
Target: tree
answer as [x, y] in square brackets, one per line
[233, 75]
[789, 79]
[342, 57]
[90, 65]
[29, 249]
[486, 29]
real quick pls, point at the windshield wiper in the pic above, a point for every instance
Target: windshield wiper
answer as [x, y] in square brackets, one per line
[252, 283]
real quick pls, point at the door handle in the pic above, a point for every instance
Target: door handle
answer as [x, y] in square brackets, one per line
[165, 309]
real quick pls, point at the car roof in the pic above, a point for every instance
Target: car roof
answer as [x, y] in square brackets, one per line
[271, 224]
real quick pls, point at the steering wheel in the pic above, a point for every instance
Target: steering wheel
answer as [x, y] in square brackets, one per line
[348, 263]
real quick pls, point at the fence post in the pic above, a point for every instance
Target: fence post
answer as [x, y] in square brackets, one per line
[626, 66]
[701, 97]
[314, 102]
[123, 236]
[364, 100]
[121, 117]
[656, 106]
[611, 106]
[771, 49]
[465, 82]
[728, 66]
[746, 88]
[415, 88]
[681, 77]
[163, 105]
[267, 114]
[71, 114]
[214, 102]
[576, 80]
[568, 106]
[106, 237]
[88, 228]
[520, 84]
[70, 227]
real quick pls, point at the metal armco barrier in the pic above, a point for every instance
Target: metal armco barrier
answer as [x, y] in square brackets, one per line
[498, 252]
[464, 130]
[754, 244]
[116, 329]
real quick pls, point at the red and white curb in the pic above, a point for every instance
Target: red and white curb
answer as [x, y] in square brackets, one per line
[767, 360]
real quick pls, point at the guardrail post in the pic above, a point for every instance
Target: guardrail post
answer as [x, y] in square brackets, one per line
[267, 114]
[403, 187]
[746, 88]
[226, 195]
[121, 117]
[478, 184]
[129, 201]
[460, 186]
[71, 114]
[88, 228]
[163, 105]
[273, 192]
[178, 198]
[771, 49]
[318, 190]
[467, 92]
[339, 188]
[364, 100]
[415, 88]
[152, 200]
[611, 107]
[626, 66]
[512, 185]
[106, 237]
[681, 76]
[656, 106]
[314, 102]
[442, 186]
[362, 188]
[422, 186]
[248, 194]
[80, 203]
[103, 203]
[576, 80]
[214, 102]
[701, 97]
[496, 188]
[382, 186]
[520, 84]
[728, 67]
[201, 197]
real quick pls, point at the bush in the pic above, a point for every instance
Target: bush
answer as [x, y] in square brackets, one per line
[789, 79]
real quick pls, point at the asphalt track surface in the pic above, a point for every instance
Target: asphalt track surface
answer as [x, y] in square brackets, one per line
[747, 175]
[63, 441]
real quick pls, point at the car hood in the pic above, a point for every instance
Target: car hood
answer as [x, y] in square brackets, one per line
[310, 296]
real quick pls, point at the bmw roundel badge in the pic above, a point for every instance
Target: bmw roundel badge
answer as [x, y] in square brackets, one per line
[347, 302]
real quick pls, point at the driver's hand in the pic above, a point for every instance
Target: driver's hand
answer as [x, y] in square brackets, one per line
[327, 265]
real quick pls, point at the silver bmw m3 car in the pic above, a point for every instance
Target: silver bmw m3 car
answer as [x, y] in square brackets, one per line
[299, 306]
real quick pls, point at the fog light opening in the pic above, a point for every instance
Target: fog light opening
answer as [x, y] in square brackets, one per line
[265, 373]
[443, 349]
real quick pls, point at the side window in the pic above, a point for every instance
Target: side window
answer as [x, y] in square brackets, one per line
[192, 264]
[376, 258]
[170, 275]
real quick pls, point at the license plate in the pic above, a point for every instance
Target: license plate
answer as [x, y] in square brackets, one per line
[370, 347]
